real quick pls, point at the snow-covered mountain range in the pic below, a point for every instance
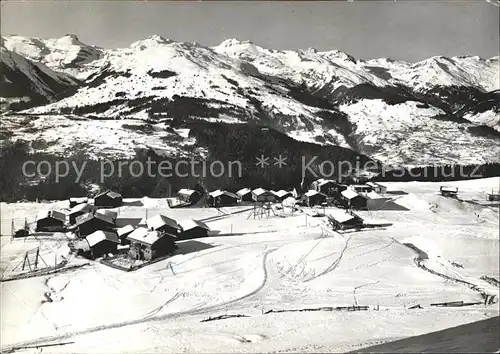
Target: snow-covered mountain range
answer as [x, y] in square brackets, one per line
[439, 110]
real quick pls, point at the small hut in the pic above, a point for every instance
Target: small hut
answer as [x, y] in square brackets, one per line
[377, 187]
[75, 201]
[89, 223]
[245, 195]
[108, 199]
[163, 224]
[102, 243]
[451, 192]
[188, 195]
[78, 210]
[50, 221]
[193, 229]
[313, 197]
[354, 200]
[221, 198]
[262, 195]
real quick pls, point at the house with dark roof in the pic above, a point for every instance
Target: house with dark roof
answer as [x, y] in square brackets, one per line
[193, 229]
[108, 199]
[149, 244]
[245, 195]
[50, 221]
[220, 198]
[102, 242]
[90, 222]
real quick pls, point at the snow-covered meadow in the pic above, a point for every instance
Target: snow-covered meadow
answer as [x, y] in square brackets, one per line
[284, 262]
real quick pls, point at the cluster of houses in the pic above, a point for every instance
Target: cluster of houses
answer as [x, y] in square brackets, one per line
[321, 192]
[101, 231]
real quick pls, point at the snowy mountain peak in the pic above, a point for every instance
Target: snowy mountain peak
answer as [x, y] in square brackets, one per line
[152, 41]
[231, 42]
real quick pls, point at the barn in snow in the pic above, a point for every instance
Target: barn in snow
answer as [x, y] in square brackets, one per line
[90, 222]
[50, 221]
[451, 192]
[262, 195]
[149, 244]
[282, 195]
[245, 195]
[220, 198]
[78, 210]
[341, 220]
[108, 199]
[354, 200]
[313, 197]
[102, 243]
[193, 229]
[163, 224]
[188, 195]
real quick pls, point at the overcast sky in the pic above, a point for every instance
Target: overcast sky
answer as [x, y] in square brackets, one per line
[409, 30]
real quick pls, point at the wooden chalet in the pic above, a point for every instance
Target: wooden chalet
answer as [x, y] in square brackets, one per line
[51, 221]
[193, 229]
[282, 195]
[108, 199]
[221, 198]
[75, 201]
[451, 192]
[147, 244]
[343, 220]
[102, 242]
[262, 195]
[245, 195]
[163, 224]
[188, 195]
[78, 210]
[313, 197]
[90, 222]
[326, 186]
[354, 200]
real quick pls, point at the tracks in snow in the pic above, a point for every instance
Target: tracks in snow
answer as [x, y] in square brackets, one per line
[152, 316]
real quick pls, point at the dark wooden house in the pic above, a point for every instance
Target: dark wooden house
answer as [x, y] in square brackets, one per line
[90, 222]
[193, 229]
[342, 220]
[245, 195]
[261, 195]
[108, 199]
[282, 195]
[102, 242]
[220, 198]
[361, 188]
[188, 195]
[149, 244]
[163, 224]
[313, 197]
[51, 221]
[451, 192]
[354, 200]
[77, 210]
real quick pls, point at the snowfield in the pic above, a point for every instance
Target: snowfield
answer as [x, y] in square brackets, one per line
[285, 262]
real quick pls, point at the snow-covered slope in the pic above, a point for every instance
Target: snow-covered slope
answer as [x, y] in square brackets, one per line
[23, 79]
[66, 54]
[297, 93]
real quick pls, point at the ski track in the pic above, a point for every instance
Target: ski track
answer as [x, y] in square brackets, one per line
[190, 312]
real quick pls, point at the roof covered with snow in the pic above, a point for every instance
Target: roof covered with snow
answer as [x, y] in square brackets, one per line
[189, 224]
[99, 236]
[243, 191]
[340, 215]
[260, 191]
[85, 208]
[349, 194]
[185, 191]
[124, 230]
[159, 221]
